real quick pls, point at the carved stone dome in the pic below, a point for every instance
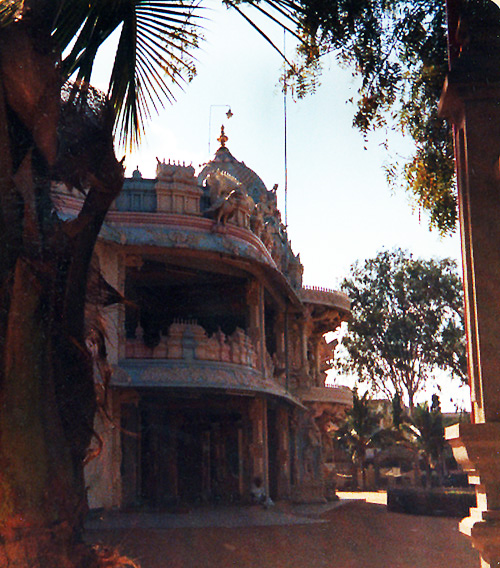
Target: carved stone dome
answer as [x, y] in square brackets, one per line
[224, 161]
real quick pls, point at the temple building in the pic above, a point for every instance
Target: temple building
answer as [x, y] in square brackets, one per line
[218, 353]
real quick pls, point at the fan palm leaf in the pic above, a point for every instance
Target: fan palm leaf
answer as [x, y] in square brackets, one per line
[154, 54]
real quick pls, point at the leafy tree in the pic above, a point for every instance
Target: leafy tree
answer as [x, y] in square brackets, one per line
[360, 430]
[406, 323]
[51, 130]
[398, 49]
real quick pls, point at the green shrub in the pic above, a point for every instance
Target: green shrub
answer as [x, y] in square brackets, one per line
[454, 502]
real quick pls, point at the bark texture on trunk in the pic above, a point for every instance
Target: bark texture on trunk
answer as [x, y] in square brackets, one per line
[47, 398]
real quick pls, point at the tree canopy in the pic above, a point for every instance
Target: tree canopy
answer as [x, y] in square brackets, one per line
[398, 49]
[407, 323]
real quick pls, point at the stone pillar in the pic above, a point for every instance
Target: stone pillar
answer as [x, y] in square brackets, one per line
[309, 483]
[477, 147]
[172, 460]
[295, 360]
[314, 359]
[129, 466]
[305, 345]
[471, 100]
[283, 452]
[126, 348]
[308, 341]
[258, 446]
[281, 354]
[256, 320]
[279, 330]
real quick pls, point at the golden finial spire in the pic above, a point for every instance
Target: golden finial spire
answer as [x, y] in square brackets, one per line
[222, 138]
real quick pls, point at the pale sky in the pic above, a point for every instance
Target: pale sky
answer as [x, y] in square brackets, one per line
[340, 208]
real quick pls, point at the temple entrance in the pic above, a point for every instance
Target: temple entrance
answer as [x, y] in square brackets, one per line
[190, 455]
[208, 459]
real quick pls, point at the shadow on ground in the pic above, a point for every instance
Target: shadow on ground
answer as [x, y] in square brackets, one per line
[356, 534]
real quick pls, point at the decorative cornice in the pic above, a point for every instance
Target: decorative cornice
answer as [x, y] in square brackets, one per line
[230, 378]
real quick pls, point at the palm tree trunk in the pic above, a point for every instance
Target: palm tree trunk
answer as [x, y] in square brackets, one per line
[43, 499]
[47, 398]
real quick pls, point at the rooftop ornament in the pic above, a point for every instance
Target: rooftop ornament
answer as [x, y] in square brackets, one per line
[222, 138]
[229, 114]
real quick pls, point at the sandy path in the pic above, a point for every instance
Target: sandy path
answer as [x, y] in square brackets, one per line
[356, 535]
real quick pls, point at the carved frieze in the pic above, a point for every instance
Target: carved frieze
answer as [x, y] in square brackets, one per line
[187, 340]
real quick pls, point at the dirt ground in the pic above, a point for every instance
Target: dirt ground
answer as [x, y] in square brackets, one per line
[358, 534]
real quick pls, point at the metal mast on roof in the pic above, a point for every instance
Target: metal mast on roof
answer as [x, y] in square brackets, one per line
[285, 129]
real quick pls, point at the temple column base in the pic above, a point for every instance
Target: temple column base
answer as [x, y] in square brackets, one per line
[476, 448]
[308, 493]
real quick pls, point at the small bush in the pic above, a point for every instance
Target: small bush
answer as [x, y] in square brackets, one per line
[433, 502]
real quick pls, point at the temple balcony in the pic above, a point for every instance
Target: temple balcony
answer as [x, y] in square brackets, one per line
[316, 295]
[327, 308]
[327, 394]
[188, 357]
[189, 342]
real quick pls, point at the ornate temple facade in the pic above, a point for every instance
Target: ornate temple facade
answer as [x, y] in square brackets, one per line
[218, 353]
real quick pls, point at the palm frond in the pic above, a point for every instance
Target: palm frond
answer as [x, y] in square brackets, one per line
[155, 45]
[153, 48]
[154, 55]
[258, 29]
[289, 16]
[10, 11]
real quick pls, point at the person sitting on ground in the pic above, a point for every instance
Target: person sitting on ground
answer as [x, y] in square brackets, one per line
[258, 493]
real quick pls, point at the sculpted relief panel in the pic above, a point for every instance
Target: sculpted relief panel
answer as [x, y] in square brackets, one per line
[188, 340]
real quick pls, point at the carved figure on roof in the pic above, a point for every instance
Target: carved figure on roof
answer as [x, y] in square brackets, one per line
[220, 184]
[269, 206]
[184, 174]
[267, 237]
[245, 207]
[224, 208]
[295, 270]
[172, 172]
[257, 220]
[164, 172]
[277, 252]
